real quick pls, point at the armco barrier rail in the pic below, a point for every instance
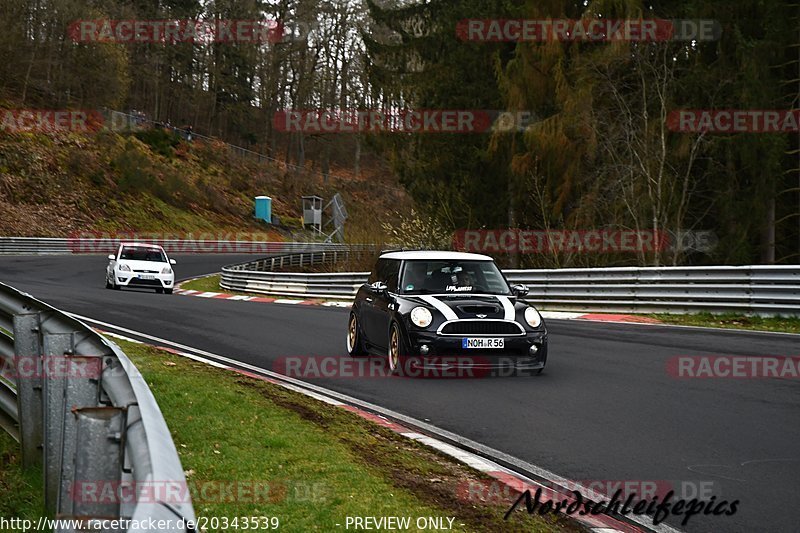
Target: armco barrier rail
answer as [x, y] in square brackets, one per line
[79, 407]
[44, 245]
[761, 290]
[261, 276]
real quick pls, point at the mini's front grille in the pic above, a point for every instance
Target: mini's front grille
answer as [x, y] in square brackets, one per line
[481, 327]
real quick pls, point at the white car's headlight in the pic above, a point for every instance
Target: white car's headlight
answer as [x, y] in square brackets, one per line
[421, 317]
[166, 270]
[124, 268]
[532, 317]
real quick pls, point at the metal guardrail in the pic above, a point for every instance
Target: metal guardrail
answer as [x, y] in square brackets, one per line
[261, 276]
[756, 289]
[79, 407]
[44, 245]
[761, 290]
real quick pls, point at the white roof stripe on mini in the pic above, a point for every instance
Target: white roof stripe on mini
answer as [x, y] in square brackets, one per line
[435, 254]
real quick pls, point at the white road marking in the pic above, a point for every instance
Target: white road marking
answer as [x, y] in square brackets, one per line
[337, 304]
[560, 314]
[467, 458]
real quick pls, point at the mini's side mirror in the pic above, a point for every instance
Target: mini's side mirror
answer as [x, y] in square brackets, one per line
[173, 262]
[520, 290]
[111, 257]
[379, 287]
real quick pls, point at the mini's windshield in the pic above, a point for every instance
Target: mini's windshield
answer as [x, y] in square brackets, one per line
[142, 253]
[452, 277]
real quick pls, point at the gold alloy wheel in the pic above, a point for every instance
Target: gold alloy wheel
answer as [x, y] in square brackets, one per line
[351, 334]
[394, 356]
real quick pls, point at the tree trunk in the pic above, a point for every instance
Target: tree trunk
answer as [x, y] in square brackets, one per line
[768, 236]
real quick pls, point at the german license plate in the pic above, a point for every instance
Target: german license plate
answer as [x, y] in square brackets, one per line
[146, 276]
[482, 342]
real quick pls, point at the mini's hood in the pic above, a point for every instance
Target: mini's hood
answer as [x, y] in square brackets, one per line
[471, 305]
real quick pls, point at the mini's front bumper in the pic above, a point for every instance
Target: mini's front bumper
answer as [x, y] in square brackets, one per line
[428, 350]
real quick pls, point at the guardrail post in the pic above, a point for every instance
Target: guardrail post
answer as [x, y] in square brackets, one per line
[28, 350]
[82, 377]
[100, 437]
[53, 392]
[60, 394]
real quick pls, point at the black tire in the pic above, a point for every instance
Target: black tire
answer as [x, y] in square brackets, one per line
[355, 344]
[168, 291]
[160, 290]
[397, 354]
[114, 285]
[108, 283]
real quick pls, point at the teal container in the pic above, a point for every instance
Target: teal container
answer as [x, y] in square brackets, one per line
[264, 208]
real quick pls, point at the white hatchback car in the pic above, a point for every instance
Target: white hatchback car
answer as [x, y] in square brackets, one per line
[140, 265]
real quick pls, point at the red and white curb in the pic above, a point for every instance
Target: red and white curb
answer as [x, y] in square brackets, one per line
[560, 315]
[511, 481]
[259, 299]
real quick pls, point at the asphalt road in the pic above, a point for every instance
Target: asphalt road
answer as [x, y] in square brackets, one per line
[605, 409]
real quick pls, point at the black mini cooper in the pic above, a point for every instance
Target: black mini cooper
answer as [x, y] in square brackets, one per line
[431, 311]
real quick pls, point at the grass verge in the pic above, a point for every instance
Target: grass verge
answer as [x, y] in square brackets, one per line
[21, 490]
[322, 463]
[207, 284]
[732, 321]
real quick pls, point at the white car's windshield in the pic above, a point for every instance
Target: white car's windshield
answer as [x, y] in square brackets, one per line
[443, 277]
[142, 253]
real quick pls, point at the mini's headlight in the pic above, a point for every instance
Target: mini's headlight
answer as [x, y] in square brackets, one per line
[166, 270]
[532, 317]
[421, 317]
[124, 268]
